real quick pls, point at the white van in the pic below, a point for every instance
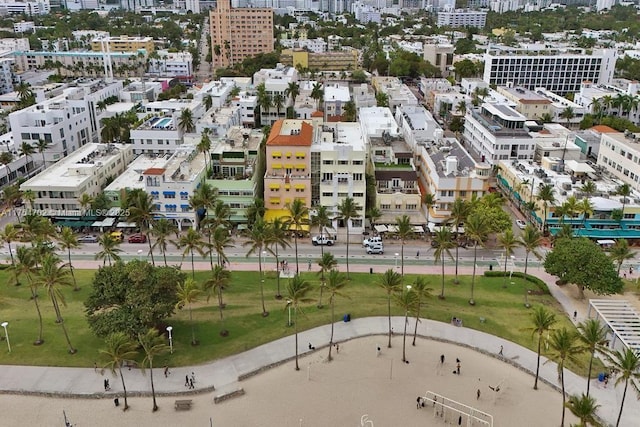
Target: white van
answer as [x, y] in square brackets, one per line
[375, 240]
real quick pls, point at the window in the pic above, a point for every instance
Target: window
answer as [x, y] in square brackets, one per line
[327, 177]
[357, 177]
[343, 162]
[327, 162]
[358, 194]
[398, 207]
[385, 207]
[327, 194]
[357, 162]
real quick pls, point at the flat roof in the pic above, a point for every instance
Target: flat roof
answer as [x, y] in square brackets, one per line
[334, 92]
[131, 178]
[622, 319]
[341, 134]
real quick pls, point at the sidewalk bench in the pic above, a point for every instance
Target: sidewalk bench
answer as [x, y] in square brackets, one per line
[183, 404]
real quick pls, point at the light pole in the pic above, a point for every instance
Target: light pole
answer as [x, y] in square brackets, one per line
[396, 258]
[169, 329]
[289, 306]
[6, 334]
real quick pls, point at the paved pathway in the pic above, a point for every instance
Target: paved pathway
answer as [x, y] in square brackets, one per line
[223, 374]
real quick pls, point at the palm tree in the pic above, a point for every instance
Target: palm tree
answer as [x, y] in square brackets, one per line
[461, 107]
[564, 346]
[459, 212]
[6, 157]
[277, 237]
[620, 252]
[219, 281]
[542, 320]
[208, 101]
[162, 229]
[27, 150]
[334, 285]
[51, 277]
[477, 229]
[254, 210]
[42, 146]
[258, 240]
[584, 408]
[405, 230]
[185, 122]
[221, 240]
[322, 219]
[508, 242]
[390, 282]
[317, 93]
[326, 263]
[298, 217]
[203, 199]
[593, 335]
[627, 365]
[422, 291]
[546, 194]
[530, 240]
[429, 200]
[110, 249]
[190, 243]
[443, 243]
[407, 300]
[119, 350]
[29, 196]
[374, 215]
[152, 345]
[27, 265]
[11, 233]
[68, 240]
[624, 190]
[85, 201]
[349, 111]
[297, 290]
[589, 188]
[278, 102]
[188, 293]
[204, 146]
[347, 210]
[292, 90]
[141, 211]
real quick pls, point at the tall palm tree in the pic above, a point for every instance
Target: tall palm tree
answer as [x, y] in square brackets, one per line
[188, 293]
[405, 231]
[6, 157]
[391, 283]
[627, 365]
[317, 93]
[584, 408]
[546, 194]
[185, 122]
[620, 252]
[334, 285]
[27, 150]
[85, 201]
[593, 335]
[374, 215]
[347, 210]
[429, 200]
[27, 265]
[219, 281]
[29, 196]
[110, 249]
[327, 263]
[477, 229]
[51, 277]
[204, 146]
[11, 233]
[202, 200]
[589, 188]
[277, 237]
[564, 346]
[349, 111]
[68, 240]
[208, 102]
[443, 243]
[509, 242]
[292, 90]
[256, 209]
[42, 146]
[407, 300]
[142, 214]
[298, 217]
[421, 289]
[278, 102]
[162, 229]
[190, 243]
[258, 240]
[322, 219]
[530, 240]
[297, 290]
[542, 321]
[119, 350]
[220, 241]
[152, 345]
[459, 212]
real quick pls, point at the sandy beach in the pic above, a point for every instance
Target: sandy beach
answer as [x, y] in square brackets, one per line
[357, 382]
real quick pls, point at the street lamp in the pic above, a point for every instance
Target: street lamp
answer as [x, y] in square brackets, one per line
[6, 334]
[169, 329]
[396, 258]
[289, 306]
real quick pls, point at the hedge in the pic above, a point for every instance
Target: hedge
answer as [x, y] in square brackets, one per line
[533, 279]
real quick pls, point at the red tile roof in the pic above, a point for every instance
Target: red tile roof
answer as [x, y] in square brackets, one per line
[302, 139]
[604, 129]
[154, 171]
[317, 114]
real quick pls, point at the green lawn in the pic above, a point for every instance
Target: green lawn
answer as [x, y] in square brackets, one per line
[502, 308]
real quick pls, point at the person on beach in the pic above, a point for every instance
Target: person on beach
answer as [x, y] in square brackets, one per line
[442, 359]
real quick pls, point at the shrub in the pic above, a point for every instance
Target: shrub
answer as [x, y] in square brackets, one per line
[540, 284]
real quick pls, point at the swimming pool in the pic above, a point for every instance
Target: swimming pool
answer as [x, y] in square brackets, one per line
[163, 123]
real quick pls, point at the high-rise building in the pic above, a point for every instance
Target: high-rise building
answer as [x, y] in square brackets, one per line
[238, 33]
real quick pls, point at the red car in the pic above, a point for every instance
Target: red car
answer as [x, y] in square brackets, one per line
[137, 238]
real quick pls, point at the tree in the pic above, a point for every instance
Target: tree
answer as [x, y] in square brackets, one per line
[27, 265]
[317, 93]
[51, 277]
[564, 347]
[119, 350]
[110, 249]
[297, 290]
[132, 297]
[152, 345]
[546, 194]
[585, 208]
[490, 207]
[405, 231]
[542, 321]
[27, 150]
[142, 213]
[188, 293]
[477, 229]
[185, 122]
[277, 237]
[593, 335]
[255, 210]
[421, 289]
[374, 215]
[390, 282]
[258, 239]
[459, 212]
[221, 240]
[584, 408]
[278, 102]
[347, 210]
[6, 157]
[429, 200]
[443, 243]
[530, 240]
[42, 146]
[382, 100]
[327, 263]
[292, 91]
[219, 281]
[334, 285]
[11, 233]
[68, 240]
[349, 111]
[582, 262]
[508, 242]
[162, 229]
[204, 146]
[191, 243]
[297, 219]
[627, 365]
[85, 201]
[407, 300]
[620, 252]
[589, 188]
[322, 220]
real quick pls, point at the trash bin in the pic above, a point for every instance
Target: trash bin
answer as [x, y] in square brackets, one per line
[347, 317]
[116, 401]
[370, 270]
[490, 267]
[601, 377]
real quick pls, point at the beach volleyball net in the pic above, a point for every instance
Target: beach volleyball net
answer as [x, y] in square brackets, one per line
[453, 412]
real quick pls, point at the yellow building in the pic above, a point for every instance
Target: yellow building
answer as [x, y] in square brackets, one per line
[325, 61]
[528, 103]
[123, 44]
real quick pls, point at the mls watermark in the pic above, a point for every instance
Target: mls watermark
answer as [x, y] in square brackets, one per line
[72, 213]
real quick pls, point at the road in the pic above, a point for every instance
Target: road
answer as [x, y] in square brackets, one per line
[204, 70]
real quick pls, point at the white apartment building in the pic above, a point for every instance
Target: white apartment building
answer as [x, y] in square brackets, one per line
[247, 104]
[439, 55]
[171, 64]
[312, 45]
[14, 44]
[172, 106]
[591, 95]
[462, 18]
[159, 134]
[7, 77]
[28, 8]
[132, 178]
[192, 5]
[559, 104]
[558, 71]
[619, 155]
[397, 93]
[218, 90]
[275, 82]
[342, 155]
[218, 121]
[84, 171]
[92, 62]
[23, 26]
[335, 97]
[20, 166]
[363, 96]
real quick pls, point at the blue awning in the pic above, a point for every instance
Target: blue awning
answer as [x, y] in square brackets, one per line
[169, 193]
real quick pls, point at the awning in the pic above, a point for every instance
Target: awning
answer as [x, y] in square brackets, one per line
[301, 166]
[272, 214]
[381, 228]
[300, 154]
[288, 166]
[392, 228]
[274, 200]
[126, 225]
[289, 154]
[276, 154]
[299, 186]
[274, 186]
[418, 229]
[276, 166]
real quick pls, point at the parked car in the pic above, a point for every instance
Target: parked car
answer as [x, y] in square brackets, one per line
[372, 241]
[377, 249]
[88, 238]
[137, 238]
[117, 235]
[322, 240]
[521, 224]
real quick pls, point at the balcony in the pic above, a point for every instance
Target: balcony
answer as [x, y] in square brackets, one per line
[402, 190]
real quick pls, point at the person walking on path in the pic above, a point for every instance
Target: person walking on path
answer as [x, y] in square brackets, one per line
[378, 351]
[166, 371]
[418, 402]
[458, 366]
[575, 315]
[500, 352]
[186, 380]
